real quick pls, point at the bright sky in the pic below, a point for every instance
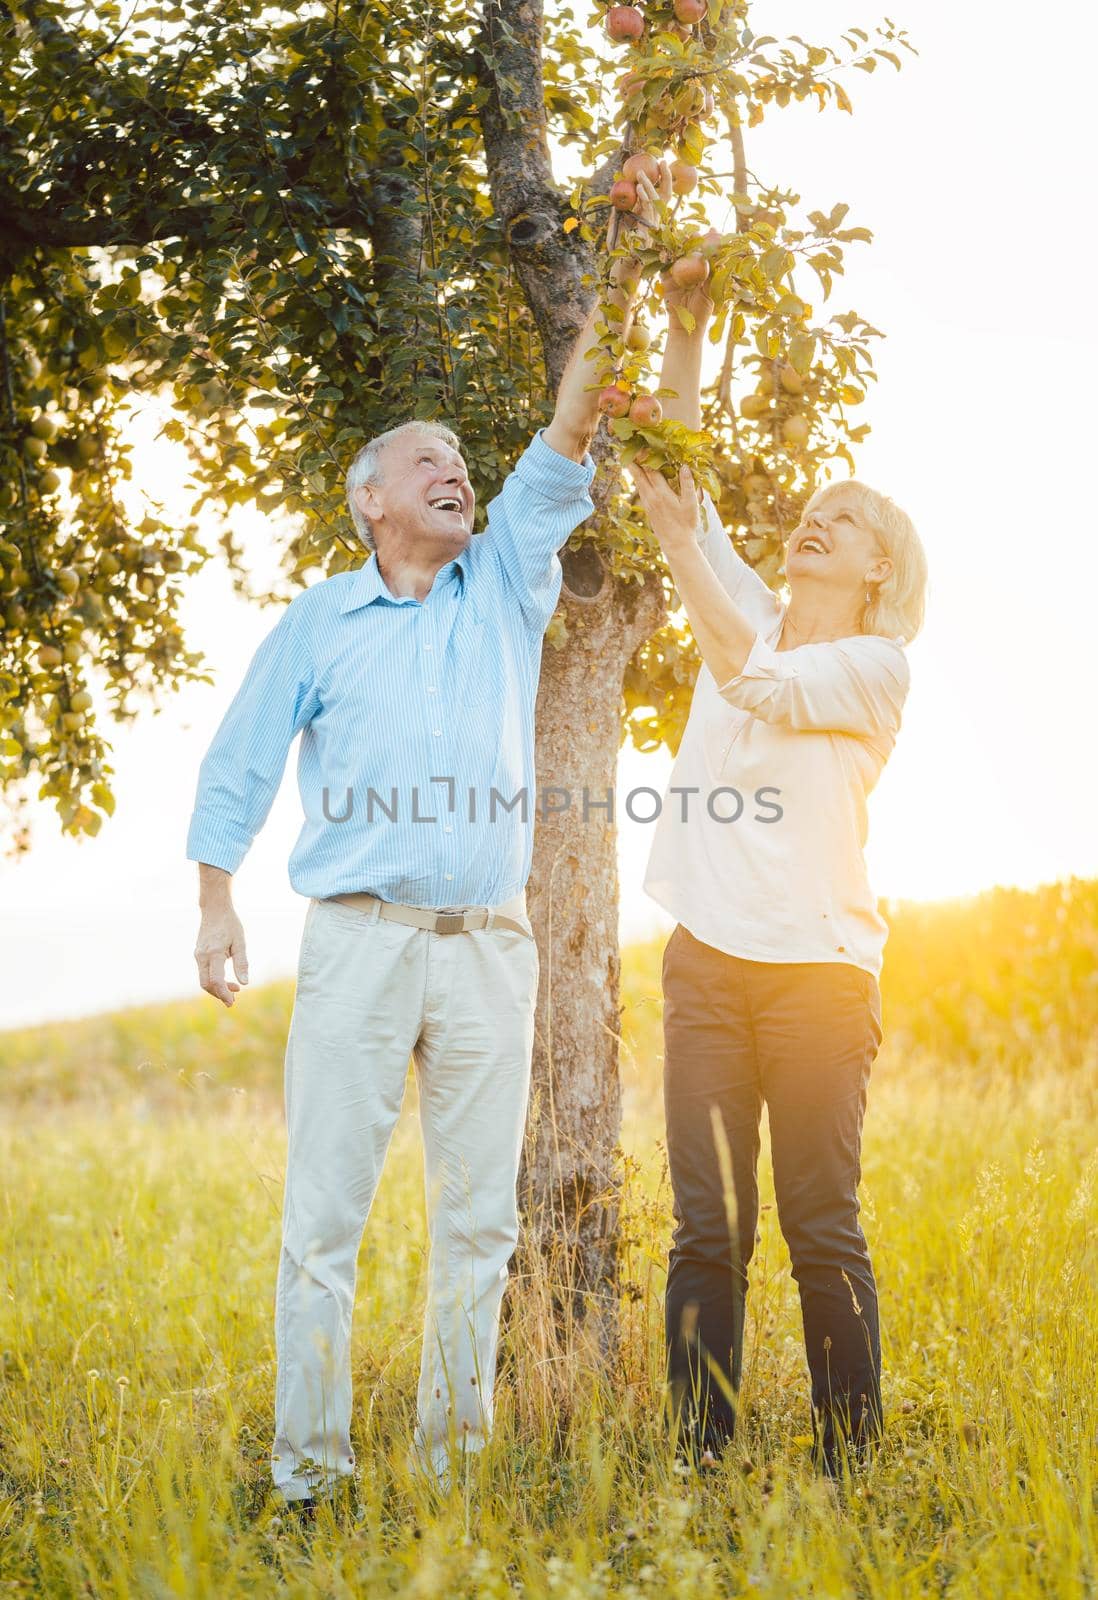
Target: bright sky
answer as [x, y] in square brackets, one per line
[967, 167]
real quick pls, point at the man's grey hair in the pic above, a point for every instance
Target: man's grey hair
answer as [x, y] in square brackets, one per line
[366, 466]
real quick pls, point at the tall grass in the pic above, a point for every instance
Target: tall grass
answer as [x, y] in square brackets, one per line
[140, 1238]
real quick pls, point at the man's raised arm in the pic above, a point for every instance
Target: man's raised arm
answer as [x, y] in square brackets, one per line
[577, 415]
[545, 498]
[576, 418]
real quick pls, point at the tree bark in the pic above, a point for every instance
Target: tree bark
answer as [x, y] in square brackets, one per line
[570, 1181]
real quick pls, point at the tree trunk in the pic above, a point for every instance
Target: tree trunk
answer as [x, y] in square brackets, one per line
[570, 1180]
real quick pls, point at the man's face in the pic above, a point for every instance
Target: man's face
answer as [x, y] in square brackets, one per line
[425, 498]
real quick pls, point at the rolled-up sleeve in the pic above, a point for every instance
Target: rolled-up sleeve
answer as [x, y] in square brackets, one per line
[242, 769]
[542, 502]
[855, 686]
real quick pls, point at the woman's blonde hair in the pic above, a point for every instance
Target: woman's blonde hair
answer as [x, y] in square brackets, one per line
[899, 603]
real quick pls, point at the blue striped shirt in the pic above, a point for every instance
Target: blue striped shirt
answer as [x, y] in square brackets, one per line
[416, 717]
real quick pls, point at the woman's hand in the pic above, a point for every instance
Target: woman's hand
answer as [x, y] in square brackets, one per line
[675, 518]
[723, 633]
[696, 300]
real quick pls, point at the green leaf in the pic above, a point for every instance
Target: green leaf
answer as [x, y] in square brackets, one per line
[802, 350]
[693, 144]
[686, 318]
[773, 262]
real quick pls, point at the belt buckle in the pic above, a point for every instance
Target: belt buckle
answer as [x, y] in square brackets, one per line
[450, 922]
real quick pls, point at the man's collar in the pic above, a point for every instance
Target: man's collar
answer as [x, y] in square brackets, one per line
[367, 584]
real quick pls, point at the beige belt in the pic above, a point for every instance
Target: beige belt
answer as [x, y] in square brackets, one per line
[455, 921]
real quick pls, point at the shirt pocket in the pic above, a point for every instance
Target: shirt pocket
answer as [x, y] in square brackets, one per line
[475, 678]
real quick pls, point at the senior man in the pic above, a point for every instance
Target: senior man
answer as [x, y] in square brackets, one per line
[412, 681]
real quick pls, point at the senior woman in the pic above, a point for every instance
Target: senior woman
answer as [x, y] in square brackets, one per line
[770, 976]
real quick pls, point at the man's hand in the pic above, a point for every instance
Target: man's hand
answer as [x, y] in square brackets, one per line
[576, 418]
[639, 223]
[221, 935]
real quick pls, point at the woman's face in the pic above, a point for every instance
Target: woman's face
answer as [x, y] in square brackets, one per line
[833, 546]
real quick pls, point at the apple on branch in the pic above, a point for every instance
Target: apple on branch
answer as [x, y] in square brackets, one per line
[684, 177]
[641, 162]
[645, 411]
[615, 400]
[625, 24]
[689, 270]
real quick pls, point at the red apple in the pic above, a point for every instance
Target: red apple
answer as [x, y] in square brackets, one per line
[645, 411]
[711, 241]
[624, 23]
[634, 165]
[623, 195]
[614, 400]
[688, 271]
[684, 177]
[690, 11]
[628, 83]
[638, 337]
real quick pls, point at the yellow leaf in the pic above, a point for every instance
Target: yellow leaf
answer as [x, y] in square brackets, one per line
[570, 223]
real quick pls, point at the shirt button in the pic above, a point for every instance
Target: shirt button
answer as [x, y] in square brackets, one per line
[449, 877]
[431, 689]
[438, 733]
[427, 647]
[447, 829]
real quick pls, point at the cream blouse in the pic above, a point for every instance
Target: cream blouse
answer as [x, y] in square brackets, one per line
[758, 846]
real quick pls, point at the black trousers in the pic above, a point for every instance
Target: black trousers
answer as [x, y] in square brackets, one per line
[802, 1036]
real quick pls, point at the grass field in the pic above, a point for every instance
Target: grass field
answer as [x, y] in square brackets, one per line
[140, 1175]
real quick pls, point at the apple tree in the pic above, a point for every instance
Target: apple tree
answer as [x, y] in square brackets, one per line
[301, 225]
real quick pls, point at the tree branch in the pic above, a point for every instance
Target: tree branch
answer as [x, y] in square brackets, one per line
[27, 226]
[743, 220]
[549, 263]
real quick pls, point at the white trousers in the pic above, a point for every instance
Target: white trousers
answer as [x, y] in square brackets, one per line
[371, 993]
